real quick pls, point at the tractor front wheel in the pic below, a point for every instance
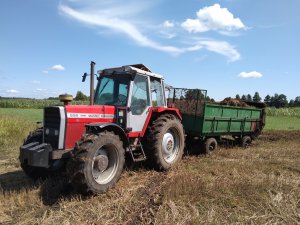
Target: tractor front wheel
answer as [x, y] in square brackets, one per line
[98, 163]
[165, 142]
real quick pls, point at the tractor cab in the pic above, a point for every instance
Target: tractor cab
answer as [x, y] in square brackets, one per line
[132, 89]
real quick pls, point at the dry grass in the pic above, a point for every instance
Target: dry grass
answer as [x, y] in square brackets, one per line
[260, 185]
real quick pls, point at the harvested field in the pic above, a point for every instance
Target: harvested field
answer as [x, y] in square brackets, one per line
[259, 185]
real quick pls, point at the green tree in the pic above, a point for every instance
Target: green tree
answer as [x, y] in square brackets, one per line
[80, 96]
[291, 103]
[237, 96]
[256, 97]
[53, 98]
[297, 101]
[244, 98]
[267, 100]
[194, 94]
[249, 98]
[282, 101]
[279, 101]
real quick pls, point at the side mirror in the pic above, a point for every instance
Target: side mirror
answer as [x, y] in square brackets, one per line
[84, 77]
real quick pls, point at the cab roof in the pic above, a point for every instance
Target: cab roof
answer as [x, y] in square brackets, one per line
[134, 68]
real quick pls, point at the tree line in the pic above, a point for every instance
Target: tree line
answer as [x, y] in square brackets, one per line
[277, 100]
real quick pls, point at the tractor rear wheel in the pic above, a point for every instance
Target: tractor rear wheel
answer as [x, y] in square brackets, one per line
[98, 163]
[164, 142]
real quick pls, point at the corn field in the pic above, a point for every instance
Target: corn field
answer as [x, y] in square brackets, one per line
[288, 112]
[34, 103]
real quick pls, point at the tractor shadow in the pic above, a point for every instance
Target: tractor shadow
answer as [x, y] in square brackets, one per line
[55, 189]
[51, 189]
[16, 181]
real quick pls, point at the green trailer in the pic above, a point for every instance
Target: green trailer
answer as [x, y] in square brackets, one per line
[211, 122]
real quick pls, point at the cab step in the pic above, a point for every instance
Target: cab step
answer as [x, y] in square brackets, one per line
[136, 151]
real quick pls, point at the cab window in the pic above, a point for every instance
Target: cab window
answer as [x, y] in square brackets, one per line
[140, 95]
[156, 92]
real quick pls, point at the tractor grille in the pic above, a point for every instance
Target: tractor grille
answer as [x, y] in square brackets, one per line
[52, 120]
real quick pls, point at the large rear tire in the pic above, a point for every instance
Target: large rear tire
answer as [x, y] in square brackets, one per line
[98, 163]
[164, 142]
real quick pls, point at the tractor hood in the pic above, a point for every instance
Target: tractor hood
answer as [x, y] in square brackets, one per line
[77, 116]
[88, 113]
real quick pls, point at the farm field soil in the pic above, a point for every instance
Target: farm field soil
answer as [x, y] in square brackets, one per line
[259, 185]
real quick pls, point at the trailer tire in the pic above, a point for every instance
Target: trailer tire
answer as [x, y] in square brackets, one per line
[246, 141]
[211, 145]
[164, 142]
[34, 173]
[97, 164]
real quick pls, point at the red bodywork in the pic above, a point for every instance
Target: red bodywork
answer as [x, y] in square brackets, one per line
[153, 110]
[78, 116]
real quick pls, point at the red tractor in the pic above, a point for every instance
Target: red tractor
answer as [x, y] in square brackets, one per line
[128, 115]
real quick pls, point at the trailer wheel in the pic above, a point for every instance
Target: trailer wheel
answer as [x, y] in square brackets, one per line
[211, 144]
[98, 163]
[164, 142]
[34, 172]
[246, 141]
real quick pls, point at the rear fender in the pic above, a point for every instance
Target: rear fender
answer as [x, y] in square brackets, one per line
[156, 112]
[99, 127]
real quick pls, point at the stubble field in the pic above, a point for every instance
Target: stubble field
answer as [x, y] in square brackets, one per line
[259, 185]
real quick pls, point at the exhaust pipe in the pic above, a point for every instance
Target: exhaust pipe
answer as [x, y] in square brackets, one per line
[92, 83]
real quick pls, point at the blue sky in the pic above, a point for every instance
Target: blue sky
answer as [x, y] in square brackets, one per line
[226, 47]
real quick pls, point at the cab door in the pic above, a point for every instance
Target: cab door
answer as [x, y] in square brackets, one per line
[139, 103]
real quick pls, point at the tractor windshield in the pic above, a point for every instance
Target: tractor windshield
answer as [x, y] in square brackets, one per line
[112, 90]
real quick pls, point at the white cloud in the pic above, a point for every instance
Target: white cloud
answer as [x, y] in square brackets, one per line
[117, 19]
[12, 91]
[58, 67]
[252, 74]
[166, 29]
[45, 71]
[41, 89]
[223, 48]
[213, 18]
[168, 24]
[196, 26]
[123, 26]
[36, 82]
